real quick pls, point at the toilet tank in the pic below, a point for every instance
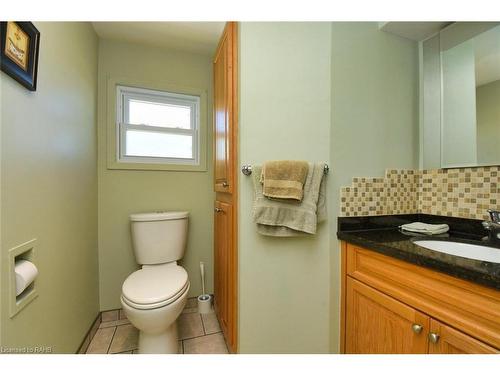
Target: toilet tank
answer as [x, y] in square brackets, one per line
[159, 237]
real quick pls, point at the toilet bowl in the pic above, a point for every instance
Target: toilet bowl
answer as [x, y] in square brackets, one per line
[152, 299]
[154, 296]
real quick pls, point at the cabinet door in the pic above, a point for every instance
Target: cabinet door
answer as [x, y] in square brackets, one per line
[379, 324]
[222, 261]
[223, 112]
[446, 340]
[225, 156]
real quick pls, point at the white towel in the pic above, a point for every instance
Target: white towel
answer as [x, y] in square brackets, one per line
[424, 228]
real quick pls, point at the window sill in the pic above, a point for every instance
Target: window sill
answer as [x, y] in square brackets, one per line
[156, 167]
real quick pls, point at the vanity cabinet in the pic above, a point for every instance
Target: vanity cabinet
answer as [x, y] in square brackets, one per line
[225, 185]
[390, 306]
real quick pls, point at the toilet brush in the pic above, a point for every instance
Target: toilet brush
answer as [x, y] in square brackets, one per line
[202, 271]
[205, 300]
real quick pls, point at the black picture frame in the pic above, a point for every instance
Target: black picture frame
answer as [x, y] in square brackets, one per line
[28, 77]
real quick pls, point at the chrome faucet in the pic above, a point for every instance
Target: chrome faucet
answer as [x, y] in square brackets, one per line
[493, 226]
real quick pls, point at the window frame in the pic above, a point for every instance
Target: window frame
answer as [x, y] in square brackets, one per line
[107, 125]
[125, 93]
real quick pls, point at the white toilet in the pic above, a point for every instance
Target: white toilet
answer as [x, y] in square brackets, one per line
[154, 296]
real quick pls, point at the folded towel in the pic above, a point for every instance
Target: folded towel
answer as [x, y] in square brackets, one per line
[284, 179]
[291, 218]
[424, 228]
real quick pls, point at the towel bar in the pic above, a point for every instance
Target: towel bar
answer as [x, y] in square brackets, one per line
[246, 169]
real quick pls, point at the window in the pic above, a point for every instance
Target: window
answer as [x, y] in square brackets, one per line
[157, 127]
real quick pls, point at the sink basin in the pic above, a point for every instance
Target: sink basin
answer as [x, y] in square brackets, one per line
[477, 252]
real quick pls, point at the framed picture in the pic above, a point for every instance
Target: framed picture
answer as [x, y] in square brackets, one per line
[19, 52]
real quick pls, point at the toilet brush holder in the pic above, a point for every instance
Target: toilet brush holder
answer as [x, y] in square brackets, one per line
[205, 304]
[205, 300]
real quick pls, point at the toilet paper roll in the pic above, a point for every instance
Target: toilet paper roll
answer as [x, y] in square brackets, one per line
[26, 272]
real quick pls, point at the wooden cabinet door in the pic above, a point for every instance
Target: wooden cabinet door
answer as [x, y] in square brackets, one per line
[447, 340]
[223, 112]
[379, 324]
[225, 156]
[222, 264]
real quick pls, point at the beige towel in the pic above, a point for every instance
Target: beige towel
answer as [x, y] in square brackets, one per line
[284, 179]
[291, 218]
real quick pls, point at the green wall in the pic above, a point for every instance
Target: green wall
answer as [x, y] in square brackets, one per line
[333, 92]
[374, 103]
[284, 114]
[122, 192]
[1, 251]
[49, 189]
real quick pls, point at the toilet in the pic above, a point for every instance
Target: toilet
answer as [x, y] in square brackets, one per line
[154, 296]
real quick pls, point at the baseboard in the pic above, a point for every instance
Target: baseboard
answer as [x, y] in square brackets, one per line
[90, 335]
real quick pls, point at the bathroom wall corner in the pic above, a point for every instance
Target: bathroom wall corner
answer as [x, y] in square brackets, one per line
[122, 192]
[370, 109]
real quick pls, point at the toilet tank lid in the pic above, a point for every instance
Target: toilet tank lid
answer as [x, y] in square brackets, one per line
[159, 215]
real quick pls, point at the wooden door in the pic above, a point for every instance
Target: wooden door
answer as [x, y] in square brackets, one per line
[447, 340]
[379, 324]
[225, 184]
[224, 92]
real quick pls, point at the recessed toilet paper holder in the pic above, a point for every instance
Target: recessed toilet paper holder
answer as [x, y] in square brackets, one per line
[25, 251]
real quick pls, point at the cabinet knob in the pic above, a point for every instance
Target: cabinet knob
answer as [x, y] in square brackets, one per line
[433, 337]
[417, 328]
[225, 184]
[217, 209]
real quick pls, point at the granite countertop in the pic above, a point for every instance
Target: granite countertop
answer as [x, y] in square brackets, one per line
[381, 234]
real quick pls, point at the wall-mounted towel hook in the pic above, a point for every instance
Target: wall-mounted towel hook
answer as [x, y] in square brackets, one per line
[246, 169]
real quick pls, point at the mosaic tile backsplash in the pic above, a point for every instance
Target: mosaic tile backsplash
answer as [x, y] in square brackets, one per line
[459, 192]
[396, 193]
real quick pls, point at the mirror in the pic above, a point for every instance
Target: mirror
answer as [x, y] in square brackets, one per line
[470, 95]
[461, 96]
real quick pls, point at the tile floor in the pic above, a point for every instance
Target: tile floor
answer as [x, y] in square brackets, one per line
[198, 333]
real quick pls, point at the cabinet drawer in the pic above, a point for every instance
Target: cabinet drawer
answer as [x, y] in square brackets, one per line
[471, 308]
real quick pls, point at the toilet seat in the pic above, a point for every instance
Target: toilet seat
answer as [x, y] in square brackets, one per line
[155, 286]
